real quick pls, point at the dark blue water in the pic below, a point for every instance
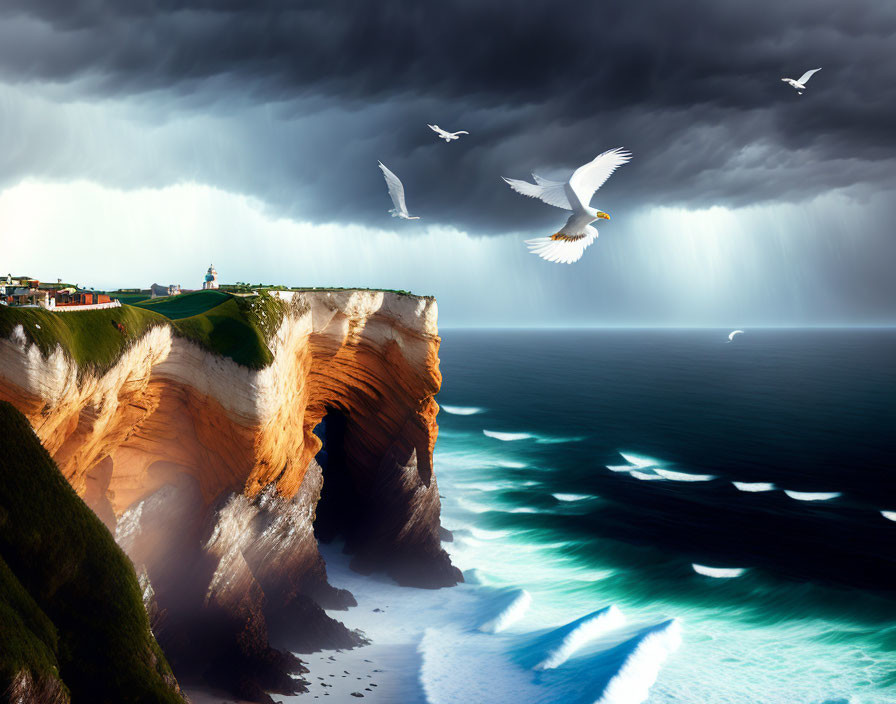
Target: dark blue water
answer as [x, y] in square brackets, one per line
[807, 410]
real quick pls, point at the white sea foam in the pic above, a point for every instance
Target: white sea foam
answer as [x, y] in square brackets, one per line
[639, 460]
[643, 656]
[486, 486]
[484, 534]
[889, 515]
[548, 440]
[510, 464]
[507, 608]
[472, 506]
[461, 410]
[621, 467]
[572, 497]
[506, 437]
[646, 476]
[683, 476]
[561, 643]
[754, 486]
[522, 509]
[718, 572]
[812, 495]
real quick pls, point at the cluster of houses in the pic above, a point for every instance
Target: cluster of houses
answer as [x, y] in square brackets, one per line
[25, 291]
[28, 292]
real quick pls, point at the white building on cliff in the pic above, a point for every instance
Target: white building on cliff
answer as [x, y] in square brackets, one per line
[211, 278]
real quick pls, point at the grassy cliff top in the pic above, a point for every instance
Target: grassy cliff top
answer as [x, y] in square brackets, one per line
[238, 327]
[71, 608]
[231, 326]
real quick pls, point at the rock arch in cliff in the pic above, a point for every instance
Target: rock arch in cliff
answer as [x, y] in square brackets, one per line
[231, 450]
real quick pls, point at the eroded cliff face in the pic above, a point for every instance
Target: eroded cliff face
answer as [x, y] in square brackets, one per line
[206, 469]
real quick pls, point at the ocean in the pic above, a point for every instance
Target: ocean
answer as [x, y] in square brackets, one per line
[588, 478]
[534, 423]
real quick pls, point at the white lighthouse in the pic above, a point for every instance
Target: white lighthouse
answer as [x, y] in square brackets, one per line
[211, 278]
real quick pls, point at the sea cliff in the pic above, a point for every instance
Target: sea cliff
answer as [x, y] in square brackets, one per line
[218, 477]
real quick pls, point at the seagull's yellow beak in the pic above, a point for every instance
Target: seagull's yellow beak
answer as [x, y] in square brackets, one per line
[602, 215]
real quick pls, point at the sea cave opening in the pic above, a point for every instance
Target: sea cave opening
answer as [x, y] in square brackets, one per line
[340, 507]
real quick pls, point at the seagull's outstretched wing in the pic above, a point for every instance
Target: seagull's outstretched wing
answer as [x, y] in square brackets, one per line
[396, 190]
[550, 192]
[563, 250]
[807, 75]
[588, 178]
[460, 132]
[438, 130]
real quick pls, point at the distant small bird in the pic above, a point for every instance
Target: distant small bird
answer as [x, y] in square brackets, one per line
[447, 136]
[569, 243]
[800, 83]
[396, 192]
[733, 333]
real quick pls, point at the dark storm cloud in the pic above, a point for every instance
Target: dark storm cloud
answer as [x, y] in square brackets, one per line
[692, 88]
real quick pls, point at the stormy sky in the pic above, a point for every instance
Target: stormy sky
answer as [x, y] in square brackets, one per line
[142, 140]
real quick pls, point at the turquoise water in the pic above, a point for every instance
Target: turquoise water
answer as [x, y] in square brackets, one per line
[595, 468]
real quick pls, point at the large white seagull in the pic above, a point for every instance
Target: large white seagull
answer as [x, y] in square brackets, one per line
[396, 193]
[568, 244]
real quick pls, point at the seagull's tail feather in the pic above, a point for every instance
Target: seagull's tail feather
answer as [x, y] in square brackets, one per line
[560, 249]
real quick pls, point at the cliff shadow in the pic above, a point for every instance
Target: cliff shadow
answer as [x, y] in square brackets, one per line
[340, 509]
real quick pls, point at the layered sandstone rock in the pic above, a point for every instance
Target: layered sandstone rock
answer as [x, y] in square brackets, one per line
[198, 459]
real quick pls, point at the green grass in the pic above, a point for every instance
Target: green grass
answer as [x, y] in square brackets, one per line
[92, 338]
[70, 598]
[28, 639]
[185, 305]
[231, 326]
[237, 327]
[130, 298]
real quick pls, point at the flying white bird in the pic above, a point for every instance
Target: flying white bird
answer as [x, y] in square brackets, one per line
[396, 192]
[733, 333]
[800, 83]
[447, 136]
[569, 243]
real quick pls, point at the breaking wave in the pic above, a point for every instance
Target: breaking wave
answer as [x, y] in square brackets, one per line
[640, 660]
[754, 486]
[591, 659]
[461, 410]
[639, 460]
[812, 495]
[506, 608]
[683, 476]
[646, 476]
[506, 437]
[483, 534]
[889, 515]
[572, 497]
[718, 572]
[561, 643]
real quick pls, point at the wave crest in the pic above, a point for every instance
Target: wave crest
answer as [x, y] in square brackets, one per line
[754, 486]
[812, 495]
[506, 437]
[461, 410]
